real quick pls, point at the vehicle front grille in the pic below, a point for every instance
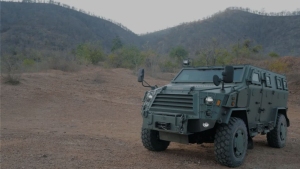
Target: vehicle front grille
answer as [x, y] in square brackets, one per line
[174, 103]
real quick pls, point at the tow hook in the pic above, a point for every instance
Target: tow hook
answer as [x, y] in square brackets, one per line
[182, 120]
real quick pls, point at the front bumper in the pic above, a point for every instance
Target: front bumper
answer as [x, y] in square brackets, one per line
[176, 123]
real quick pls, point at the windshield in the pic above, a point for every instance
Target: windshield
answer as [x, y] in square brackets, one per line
[205, 75]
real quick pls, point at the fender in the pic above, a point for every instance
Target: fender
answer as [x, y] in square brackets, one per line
[226, 115]
[282, 110]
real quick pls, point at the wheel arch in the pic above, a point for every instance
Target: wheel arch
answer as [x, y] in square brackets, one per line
[283, 111]
[238, 113]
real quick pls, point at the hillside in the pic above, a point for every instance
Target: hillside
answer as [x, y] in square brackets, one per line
[52, 27]
[280, 34]
[43, 26]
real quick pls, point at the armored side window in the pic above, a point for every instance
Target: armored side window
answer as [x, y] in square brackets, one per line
[268, 81]
[255, 78]
[278, 83]
[285, 85]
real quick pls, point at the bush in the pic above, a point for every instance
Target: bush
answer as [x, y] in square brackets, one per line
[63, 64]
[28, 62]
[113, 60]
[168, 66]
[11, 69]
[278, 66]
[126, 57]
[273, 55]
[89, 53]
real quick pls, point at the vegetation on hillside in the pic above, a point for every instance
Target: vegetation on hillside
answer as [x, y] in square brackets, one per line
[276, 32]
[43, 26]
[36, 36]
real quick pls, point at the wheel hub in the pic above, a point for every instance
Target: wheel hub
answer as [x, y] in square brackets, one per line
[282, 131]
[239, 143]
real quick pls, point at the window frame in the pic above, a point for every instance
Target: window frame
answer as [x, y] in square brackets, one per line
[284, 86]
[268, 76]
[259, 79]
[279, 81]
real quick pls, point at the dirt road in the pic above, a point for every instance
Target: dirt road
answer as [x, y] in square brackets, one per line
[91, 119]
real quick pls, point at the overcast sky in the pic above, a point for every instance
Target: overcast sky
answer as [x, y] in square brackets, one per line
[143, 16]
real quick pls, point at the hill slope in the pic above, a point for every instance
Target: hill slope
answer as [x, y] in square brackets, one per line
[48, 26]
[275, 33]
[51, 27]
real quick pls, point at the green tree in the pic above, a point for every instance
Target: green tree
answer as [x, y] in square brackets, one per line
[224, 57]
[126, 57]
[89, 52]
[116, 44]
[132, 57]
[178, 53]
[246, 50]
[151, 61]
[209, 54]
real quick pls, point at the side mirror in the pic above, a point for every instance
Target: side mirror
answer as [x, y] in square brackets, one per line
[217, 80]
[141, 75]
[228, 74]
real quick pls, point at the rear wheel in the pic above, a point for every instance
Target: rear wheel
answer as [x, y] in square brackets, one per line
[151, 141]
[277, 137]
[231, 142]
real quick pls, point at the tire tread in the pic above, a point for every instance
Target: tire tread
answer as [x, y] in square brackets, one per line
[272, 137]
[151, 143]
[222, 143]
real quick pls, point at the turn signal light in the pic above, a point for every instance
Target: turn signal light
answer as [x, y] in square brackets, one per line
[232, 103]
[218, 102]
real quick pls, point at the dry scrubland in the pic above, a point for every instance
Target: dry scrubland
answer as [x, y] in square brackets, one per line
[91, 119]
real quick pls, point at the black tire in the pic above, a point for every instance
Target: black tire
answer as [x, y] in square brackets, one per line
[278, 136]
[151, 141]
[231, 142]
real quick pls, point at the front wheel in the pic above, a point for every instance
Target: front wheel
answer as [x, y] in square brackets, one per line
[151, 141]
[231, 142]
[277, 137]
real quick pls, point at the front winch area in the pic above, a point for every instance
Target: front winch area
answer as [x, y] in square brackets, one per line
[174, 123]
[163, 126]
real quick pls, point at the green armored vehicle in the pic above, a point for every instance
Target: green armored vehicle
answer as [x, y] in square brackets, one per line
[193, 108]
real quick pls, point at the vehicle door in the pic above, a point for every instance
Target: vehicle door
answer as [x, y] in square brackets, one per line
[266, 110]
[254, 99]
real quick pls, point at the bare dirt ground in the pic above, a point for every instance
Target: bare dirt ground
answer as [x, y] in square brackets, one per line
[91, 119]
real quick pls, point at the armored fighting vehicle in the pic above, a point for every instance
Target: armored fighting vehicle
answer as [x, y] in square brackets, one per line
[226, 106]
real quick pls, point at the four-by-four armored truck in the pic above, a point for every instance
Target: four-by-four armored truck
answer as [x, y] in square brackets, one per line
[226, 106]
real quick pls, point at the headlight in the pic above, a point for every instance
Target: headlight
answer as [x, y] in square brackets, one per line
[149, 96]
[209, 100]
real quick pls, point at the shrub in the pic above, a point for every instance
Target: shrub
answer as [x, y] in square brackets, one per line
[28, 62]
[126, 57]
[168, 66]
[113, 60]
[278, 66]
[90, 53]
[273, 55]
[61, 63]
[11, 69]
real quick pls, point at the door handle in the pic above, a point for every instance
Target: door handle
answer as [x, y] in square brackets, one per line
[257, 102]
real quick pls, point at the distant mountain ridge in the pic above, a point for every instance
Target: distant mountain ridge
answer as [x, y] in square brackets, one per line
[44, 26]
[280, 34]
[48, 26]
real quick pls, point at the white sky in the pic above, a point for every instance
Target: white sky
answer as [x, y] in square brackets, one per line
[142, 16]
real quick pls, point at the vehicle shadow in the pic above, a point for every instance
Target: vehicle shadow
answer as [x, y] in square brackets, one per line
[193, 153]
